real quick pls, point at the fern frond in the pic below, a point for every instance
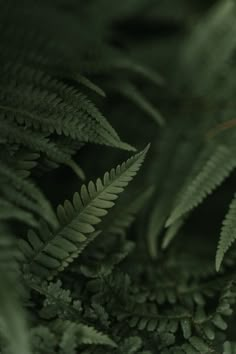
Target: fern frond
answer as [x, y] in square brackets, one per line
[228, 234]
[78, 116]
[41, 109]
[215, 170]
[50, 252]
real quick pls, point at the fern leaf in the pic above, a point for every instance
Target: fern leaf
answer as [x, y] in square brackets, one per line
[228, 234]
[215, 170]
[65, 110]
[50, 252]
[54, 121]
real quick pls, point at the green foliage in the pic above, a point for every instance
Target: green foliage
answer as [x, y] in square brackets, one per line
[52, 252]
[13, 326]
[117, 267]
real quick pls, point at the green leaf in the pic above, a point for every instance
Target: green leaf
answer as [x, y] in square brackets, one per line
[51, 251]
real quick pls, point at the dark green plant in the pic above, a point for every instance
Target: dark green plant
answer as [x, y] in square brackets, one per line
[118, 267]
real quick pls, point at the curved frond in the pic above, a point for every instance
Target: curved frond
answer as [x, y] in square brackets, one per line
[52, 251]
[49, 104]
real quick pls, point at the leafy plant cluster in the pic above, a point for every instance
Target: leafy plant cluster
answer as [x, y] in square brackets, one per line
[119, 266]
